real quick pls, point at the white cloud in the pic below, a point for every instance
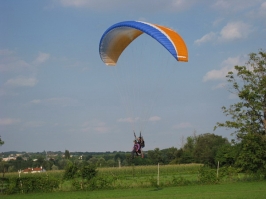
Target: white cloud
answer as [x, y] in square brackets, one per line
[128, 120]
[8, 121]
[232, 31]
[132, 120]
[179, 4]
[260, 12]
[94, 126]
[21, 82]
[230, 6]
[154, 118]
[5, 52]
[9, 62]
[101, 129]
[182, 125]
[235, 30]
[217, 74]
[227, 65]
[76, 3]
[206, 38]
[36, 101]
[41, 58]
[56, 101]
[221, 85]
[218, 21]
[233, 96]
[34, 124]
[148, 5]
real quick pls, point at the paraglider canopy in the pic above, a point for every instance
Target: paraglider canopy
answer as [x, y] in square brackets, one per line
[117, 37]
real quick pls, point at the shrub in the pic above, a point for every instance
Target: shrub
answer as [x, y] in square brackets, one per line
[29, 184]
[207, 175]
[88, 172]
[70, 171]
[180, 181]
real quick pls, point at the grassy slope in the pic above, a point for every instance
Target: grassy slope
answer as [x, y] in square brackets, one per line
[247, 190]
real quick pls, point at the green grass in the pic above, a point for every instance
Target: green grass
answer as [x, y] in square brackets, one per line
[240, 190]
[130, 171]
[130, 176]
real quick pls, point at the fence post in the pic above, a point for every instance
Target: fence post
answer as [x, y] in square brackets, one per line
[158, 176]
[217, 174]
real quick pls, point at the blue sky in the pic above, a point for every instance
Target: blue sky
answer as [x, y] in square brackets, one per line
[57, 94]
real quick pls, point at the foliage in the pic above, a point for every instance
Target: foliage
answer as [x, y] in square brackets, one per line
[122, 178]
[1, 141]
[71, 171]
[155, 156]
[67, 154]
[188, 150]
[252, 157]
[207, 175]
[206, 147]
[180, 181]
[249, 84]
[154, 182]
[30, 184]
[229, 173]
[201, 149]
[226, 154]
[248, 116]
[241, 190]
[88, 172]
[100, 182]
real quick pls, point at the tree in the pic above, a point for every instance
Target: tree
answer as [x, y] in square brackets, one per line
[155, 156]
[249, 84]
[227, 154]
[70, 171]
[1, 141]
[206, 147]
[188, 150]
[101, 162]
[170, 154]
[93, 161]
[252, 157]
[67, 154]
[248, 116]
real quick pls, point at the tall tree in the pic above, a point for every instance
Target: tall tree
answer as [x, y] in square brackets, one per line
[248, 116]
[249, 84]
[1, 141]
[155, 156]
[67, 154]
[206, 148]
[188, 150]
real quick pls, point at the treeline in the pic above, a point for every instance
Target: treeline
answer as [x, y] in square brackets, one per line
[206, 148]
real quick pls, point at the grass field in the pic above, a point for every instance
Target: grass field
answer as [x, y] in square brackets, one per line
[240, 190]
[130, 176]
[141, 182]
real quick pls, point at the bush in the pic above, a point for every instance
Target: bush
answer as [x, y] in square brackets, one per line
[154, 182]
[88, 172]
[29, 184]
[230, 173]
[180, 181]
[101, 182]
[70, 171]
[207, 175]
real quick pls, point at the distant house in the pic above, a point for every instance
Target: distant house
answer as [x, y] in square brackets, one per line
[9, 158]
[33, 170]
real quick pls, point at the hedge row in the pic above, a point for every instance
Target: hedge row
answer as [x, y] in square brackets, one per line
[28, 184]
